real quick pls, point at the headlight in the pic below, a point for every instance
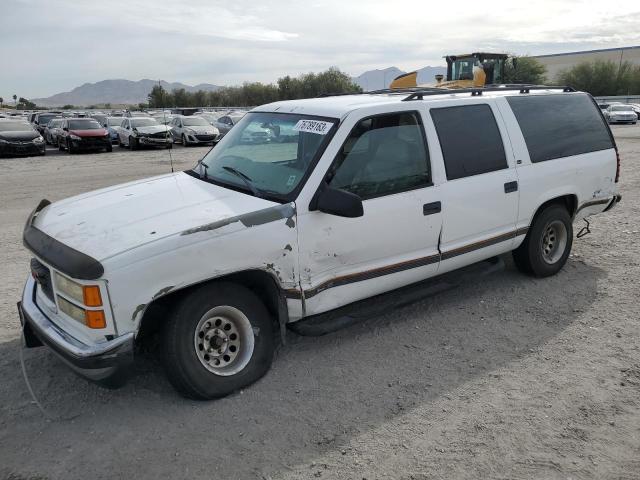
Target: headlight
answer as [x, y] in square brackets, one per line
[88, 295]
[215, 131]
[38, 139]
[74, 137]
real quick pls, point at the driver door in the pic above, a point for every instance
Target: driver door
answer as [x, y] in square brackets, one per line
[385, 161]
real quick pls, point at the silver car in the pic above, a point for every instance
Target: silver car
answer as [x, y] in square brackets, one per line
[620, 113]
[192, 130]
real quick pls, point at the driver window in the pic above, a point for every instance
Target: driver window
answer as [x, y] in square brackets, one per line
[383, 155]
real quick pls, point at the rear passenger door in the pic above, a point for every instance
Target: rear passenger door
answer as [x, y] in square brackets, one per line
[480, 195]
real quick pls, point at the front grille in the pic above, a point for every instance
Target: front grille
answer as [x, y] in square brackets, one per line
[158, 135]
[90, 142]
[42, 275]
[206, 138]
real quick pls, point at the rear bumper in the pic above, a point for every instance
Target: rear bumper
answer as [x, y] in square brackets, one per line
[93, 361]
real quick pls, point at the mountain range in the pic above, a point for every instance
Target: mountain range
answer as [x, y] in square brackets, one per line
[119, 91]
[116, 92]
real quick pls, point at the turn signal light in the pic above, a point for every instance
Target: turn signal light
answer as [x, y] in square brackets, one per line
[91, 296]
[95, 319]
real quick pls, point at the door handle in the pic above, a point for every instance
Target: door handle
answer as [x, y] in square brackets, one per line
[510, 187]
[431, 208]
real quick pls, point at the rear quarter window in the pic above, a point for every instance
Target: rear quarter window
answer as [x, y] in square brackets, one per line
[557, 126]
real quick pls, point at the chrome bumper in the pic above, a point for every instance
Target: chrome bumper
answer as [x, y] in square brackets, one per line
[93, 361]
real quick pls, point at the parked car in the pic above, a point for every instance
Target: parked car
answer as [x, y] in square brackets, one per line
[136, 114]
[164, 119]
[135, 132]
[112, 124]
[42, 119]
[211, 117]
[226, 122]
[83, 134]
[256, 237]
[620, 113]
[193, 130]
[19, 137]
[53, 130]
[636, 108]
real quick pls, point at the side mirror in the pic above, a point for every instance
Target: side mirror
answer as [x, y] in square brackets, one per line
[339, 202]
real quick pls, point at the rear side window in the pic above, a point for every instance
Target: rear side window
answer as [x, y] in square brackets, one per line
[470, 140]
[556, 126]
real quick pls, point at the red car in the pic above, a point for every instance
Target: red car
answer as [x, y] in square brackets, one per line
[83, 134]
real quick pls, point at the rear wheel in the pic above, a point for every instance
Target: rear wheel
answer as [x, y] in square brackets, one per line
[548, 243]
[220, 338]
[184, 140]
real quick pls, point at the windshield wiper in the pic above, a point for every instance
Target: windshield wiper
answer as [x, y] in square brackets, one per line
[248, 182]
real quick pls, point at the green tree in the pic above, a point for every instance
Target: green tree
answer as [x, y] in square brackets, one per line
[1, 101]
[15, 99]
[524, 70]
[24, 103]
[68, 107]
[601, 78]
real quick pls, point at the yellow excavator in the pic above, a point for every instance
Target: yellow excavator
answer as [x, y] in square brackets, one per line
[463, 71]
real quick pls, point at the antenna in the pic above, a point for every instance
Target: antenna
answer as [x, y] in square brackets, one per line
[164, 115]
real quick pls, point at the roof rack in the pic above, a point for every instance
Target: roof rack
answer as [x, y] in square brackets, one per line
[420, 94]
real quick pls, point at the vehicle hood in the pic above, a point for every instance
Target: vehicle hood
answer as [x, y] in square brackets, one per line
[202, 129]
[106, 222]
[153, 129]
[97, 132]
[19, 135]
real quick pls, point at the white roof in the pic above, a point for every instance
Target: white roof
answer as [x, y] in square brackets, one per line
[338, 106]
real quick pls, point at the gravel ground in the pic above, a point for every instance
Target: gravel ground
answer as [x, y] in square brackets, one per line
[508, 377]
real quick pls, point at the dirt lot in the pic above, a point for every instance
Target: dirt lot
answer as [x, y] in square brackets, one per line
[508, 377]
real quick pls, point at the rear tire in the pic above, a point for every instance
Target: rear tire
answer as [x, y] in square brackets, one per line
[548, 243]
[184, 140]
[218, 339]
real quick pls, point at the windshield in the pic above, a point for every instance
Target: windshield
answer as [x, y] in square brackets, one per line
[143, 122]
[272, 151]
[83, 125]
[15, 127]
[620, 108]
[44, 119]
[194, 121]
[113, 121]
[56, 122]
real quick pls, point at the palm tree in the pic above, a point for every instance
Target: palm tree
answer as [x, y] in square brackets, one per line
[15, 99]
[1, 101]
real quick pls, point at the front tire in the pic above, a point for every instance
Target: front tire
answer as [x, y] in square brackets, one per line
[548, 243]
[133, 143]
[219, 339]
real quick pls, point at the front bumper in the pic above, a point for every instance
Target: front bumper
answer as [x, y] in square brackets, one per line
[155, 141]
[90, 143]
[204, 139]
[22, 148]
[96, 362]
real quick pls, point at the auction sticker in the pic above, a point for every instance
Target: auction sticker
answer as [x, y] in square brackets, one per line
[313, 126]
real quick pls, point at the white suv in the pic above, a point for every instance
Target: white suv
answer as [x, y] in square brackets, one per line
[351, 197]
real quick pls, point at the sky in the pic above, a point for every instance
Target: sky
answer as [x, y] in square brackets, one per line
[51, 46]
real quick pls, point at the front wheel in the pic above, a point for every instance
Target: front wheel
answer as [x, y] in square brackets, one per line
[219, 339]
[548, 243]
[133, 143]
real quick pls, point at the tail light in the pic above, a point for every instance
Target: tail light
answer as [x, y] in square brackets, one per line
[617, 166]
